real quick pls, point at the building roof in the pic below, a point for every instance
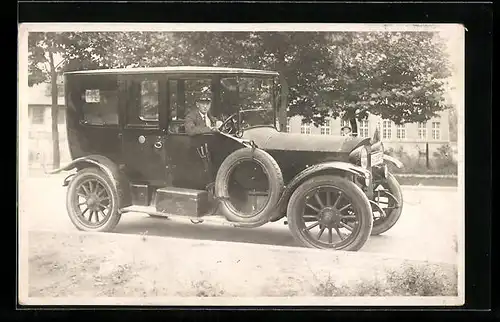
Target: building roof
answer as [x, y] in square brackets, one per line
[178, 69]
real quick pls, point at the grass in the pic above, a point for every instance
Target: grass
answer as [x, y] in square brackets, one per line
[410, 280]
[204, 288]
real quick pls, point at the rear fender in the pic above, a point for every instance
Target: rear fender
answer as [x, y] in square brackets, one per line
[106, 165]
[342, 167]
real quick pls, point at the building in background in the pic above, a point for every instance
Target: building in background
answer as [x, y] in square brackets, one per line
[40, 125]
[411, 137]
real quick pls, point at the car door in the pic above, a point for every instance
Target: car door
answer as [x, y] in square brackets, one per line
[143, 135]
[187, 168]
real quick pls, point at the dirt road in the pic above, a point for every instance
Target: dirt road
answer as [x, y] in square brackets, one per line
[427, 230]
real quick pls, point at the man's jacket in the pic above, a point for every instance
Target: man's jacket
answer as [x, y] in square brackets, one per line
[194, 123]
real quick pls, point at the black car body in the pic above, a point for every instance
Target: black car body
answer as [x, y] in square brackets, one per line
[128, 143]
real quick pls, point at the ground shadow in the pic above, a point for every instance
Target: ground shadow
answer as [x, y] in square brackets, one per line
[270, 234]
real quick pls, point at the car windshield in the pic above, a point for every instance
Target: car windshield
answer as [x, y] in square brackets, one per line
[251, 96]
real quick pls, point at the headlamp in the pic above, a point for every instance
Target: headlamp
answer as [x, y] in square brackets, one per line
[360, 156]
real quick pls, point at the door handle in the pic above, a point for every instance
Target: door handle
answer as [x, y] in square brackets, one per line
[158, 144]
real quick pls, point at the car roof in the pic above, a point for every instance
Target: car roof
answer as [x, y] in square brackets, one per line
[176, 70]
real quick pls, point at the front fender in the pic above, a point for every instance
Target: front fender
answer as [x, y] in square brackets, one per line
[111, 169]
[318, 168]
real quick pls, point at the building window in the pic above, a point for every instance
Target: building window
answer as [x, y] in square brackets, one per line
[400, 131]
[436, 131]
[422, 130]
[37, 114]
[364, 129]
[386, 129]
[305, 128]
[325, 129]
[288, 124]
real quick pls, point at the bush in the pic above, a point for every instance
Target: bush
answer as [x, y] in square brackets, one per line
[441, 163]
[444, 159]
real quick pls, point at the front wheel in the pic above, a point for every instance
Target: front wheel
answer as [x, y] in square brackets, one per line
[92, 201]
[390, 199]
[330, 212]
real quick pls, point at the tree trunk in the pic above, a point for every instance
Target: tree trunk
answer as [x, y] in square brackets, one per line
[281, 67]
[354, 125]
[282, 113]
[56, 159]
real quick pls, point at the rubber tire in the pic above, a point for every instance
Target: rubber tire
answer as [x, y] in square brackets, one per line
[358, 199]
[393, 216]
[85, 174]
[274, 176]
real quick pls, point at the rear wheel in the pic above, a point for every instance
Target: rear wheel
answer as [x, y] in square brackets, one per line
[92, 201]
[330, 212]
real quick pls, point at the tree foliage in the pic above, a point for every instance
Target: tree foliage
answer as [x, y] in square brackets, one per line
[397, 75]
[40, 46]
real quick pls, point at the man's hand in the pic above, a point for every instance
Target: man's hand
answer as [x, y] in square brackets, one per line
[218, 124]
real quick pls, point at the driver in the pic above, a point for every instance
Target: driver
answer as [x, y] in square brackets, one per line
[199, 120]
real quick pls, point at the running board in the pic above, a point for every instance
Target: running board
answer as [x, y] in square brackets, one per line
[150, 210]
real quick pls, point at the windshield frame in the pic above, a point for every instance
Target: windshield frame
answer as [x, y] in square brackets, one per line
[272, 91]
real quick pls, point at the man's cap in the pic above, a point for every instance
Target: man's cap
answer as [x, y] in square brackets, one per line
[204, 97]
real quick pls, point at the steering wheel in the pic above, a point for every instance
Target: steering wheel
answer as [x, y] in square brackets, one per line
[229, 126]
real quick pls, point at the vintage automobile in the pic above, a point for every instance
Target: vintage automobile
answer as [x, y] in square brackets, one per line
[131, 154]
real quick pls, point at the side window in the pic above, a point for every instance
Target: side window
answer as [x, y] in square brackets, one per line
[149, 100]
[143, 103]
[182, 99]
[100, 105]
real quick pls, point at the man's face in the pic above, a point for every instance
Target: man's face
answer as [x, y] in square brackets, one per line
[203, 105]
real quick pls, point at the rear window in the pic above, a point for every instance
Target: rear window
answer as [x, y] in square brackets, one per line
[97, 97]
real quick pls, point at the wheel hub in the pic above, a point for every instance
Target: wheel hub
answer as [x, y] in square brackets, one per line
[329, 216]
[93, 202]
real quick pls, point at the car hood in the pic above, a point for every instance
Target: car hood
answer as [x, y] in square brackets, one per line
[268, 138]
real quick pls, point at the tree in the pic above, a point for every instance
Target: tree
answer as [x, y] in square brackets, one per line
[43, 47]
[87, 50]
[299, 57]
[400, 76]
[397, 75]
